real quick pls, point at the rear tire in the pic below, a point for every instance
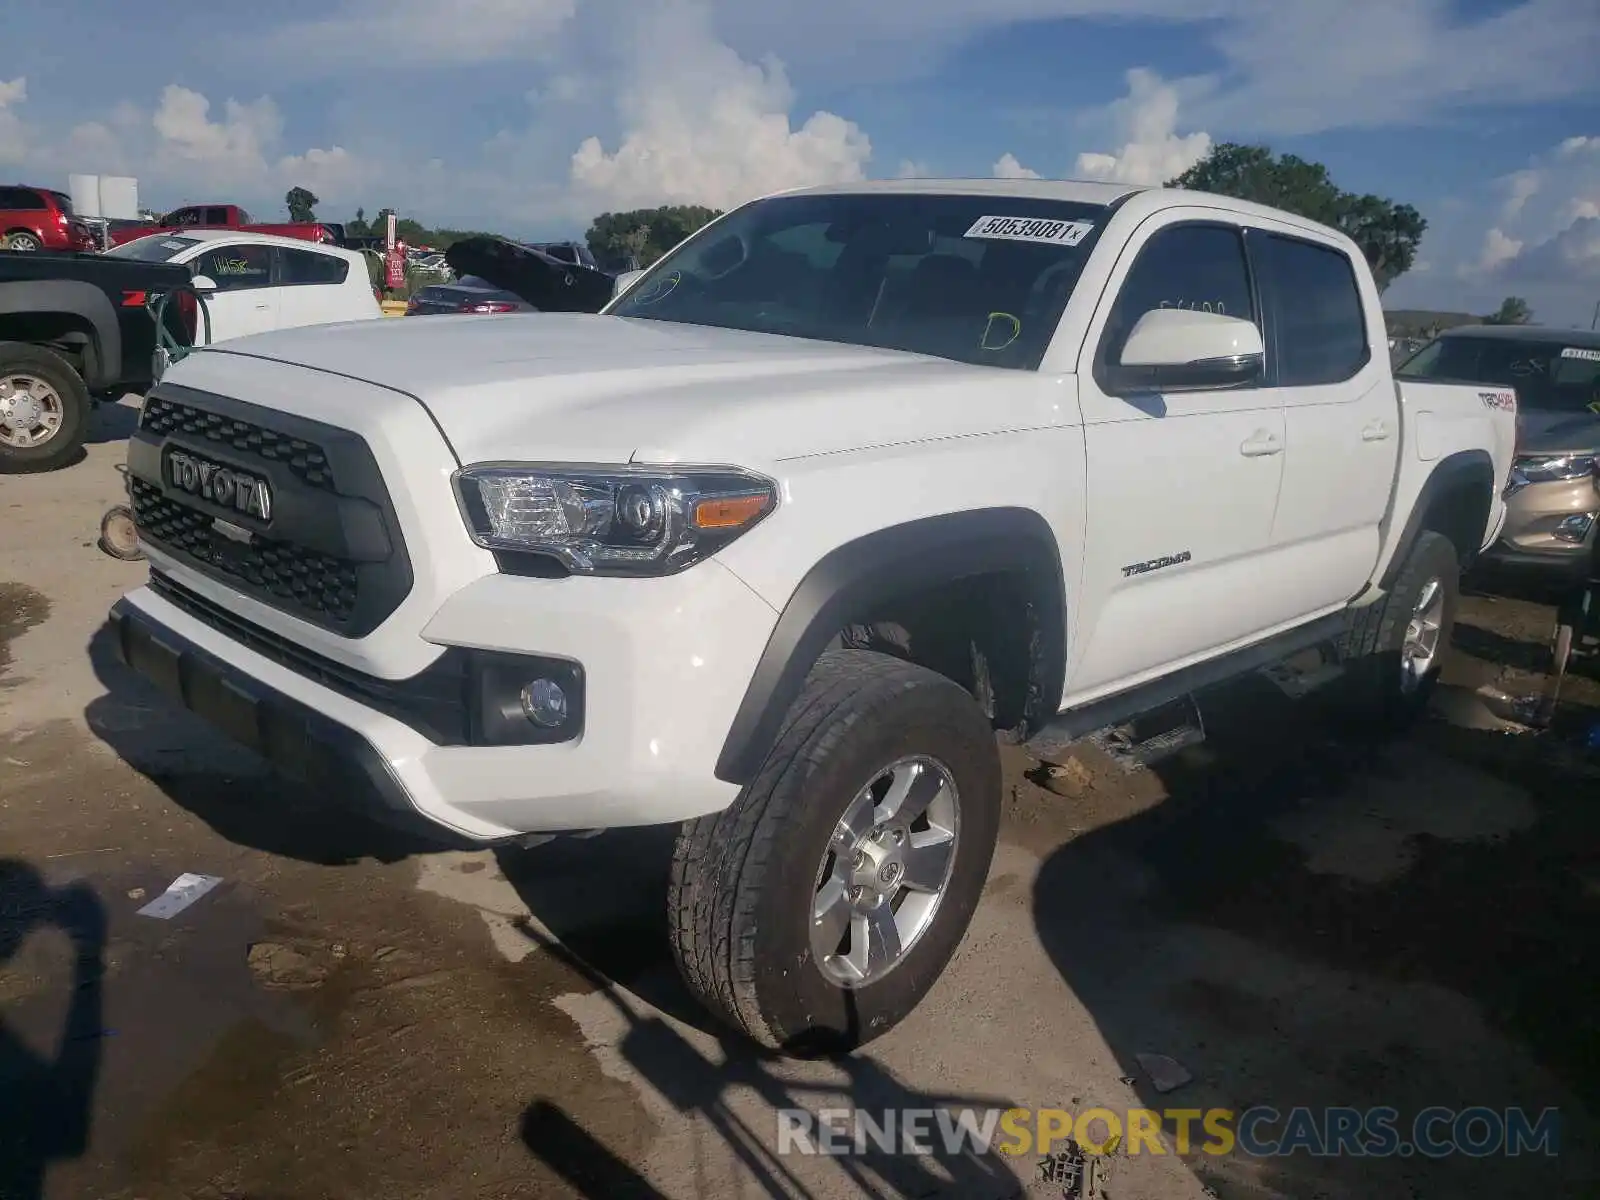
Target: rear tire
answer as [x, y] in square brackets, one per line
[23, 369]
[1395, 646]
[748, 883]
[22, 242]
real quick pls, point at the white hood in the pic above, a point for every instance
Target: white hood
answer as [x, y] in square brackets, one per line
[579, 387]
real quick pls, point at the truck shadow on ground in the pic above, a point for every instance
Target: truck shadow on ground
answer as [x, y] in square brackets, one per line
[113, 422]
[1314, 920]
[729, 1092]
[46, 1098]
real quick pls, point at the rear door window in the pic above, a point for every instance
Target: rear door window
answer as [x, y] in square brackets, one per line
[1314, 305]
[309, 267]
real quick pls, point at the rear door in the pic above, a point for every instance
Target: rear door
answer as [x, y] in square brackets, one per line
[245, 300]
[1330, 371]
[311, 288]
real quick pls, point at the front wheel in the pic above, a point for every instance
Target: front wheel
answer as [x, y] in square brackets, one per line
[44, 409]
[815, 913]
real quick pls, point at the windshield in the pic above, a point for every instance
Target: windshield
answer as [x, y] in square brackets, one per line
[978, 279]
[156, 247]
[1553, 376]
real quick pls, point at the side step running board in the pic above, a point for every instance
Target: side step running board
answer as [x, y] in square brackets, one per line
[1152, 737]
[1106, 715]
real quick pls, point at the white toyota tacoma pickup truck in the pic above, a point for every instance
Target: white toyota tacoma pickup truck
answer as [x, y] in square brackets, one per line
[853, 483]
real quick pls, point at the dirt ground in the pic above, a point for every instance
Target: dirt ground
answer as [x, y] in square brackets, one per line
[1297, 917]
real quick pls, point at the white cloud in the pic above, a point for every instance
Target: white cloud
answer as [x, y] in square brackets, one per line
[911, 169]
[1533, 233]
[186, 132]
[13, 134]
[1556, 221]
[1152, 151]
[1571, 257]
[1498, 249]
[1521, 186]
[1145, 121]
[1007, 167]
[241, 150]
[703, 126]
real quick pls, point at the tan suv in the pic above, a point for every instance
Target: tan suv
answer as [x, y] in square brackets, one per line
[1553, 501]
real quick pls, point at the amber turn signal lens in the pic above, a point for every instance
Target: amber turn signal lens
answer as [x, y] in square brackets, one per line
[729, 512]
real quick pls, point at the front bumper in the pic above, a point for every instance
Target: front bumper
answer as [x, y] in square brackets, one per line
[664, 671]
[302, 743]
[1537, 574]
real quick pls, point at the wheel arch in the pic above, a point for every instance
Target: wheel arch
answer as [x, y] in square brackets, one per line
[70, 298]
[1455, 500]
[918, 561]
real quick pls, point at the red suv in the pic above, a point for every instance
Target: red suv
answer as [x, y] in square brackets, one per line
[34, 218]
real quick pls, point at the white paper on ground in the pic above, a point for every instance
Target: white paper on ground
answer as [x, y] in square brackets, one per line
[181, 892]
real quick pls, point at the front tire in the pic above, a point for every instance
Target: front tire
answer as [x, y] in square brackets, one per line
[816, 912]
[44, 409]
[1395, 646]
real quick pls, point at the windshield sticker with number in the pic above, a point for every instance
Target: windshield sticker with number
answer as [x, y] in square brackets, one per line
[1586, 355]
[1030, 229]
[176, 245]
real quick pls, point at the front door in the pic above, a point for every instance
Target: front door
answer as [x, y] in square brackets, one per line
[1181, 487]
[244, 301]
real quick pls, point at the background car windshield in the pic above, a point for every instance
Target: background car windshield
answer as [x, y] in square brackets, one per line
[1543, 376]
[978, 279]
[154, 248]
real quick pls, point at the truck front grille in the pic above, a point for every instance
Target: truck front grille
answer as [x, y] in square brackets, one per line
[307, 461]
[302, 581]
[323, 543]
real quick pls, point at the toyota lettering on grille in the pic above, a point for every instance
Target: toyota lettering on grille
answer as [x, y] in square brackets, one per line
[221, 485]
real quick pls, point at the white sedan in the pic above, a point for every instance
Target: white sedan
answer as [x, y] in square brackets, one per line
[256, 282]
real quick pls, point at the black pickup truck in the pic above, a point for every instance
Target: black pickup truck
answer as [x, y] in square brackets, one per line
[75, 329]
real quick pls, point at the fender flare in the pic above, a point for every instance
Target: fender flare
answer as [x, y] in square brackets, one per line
[1465, 468]
[77, 299]
[861, 575]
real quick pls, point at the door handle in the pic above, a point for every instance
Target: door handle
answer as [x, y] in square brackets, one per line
[1375, 432]
[1259, 444]
[262, 307]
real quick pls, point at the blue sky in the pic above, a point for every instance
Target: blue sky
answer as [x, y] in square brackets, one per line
[530, 116]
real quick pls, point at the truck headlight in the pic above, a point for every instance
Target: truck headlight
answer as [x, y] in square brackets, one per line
[613, 520]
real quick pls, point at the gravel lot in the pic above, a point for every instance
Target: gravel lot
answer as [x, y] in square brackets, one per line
[1298, 920]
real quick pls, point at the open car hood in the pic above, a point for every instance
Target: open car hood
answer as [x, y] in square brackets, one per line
[543, 281]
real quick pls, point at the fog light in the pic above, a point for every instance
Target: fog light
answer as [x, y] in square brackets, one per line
[544, 703]
[1575, 529]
